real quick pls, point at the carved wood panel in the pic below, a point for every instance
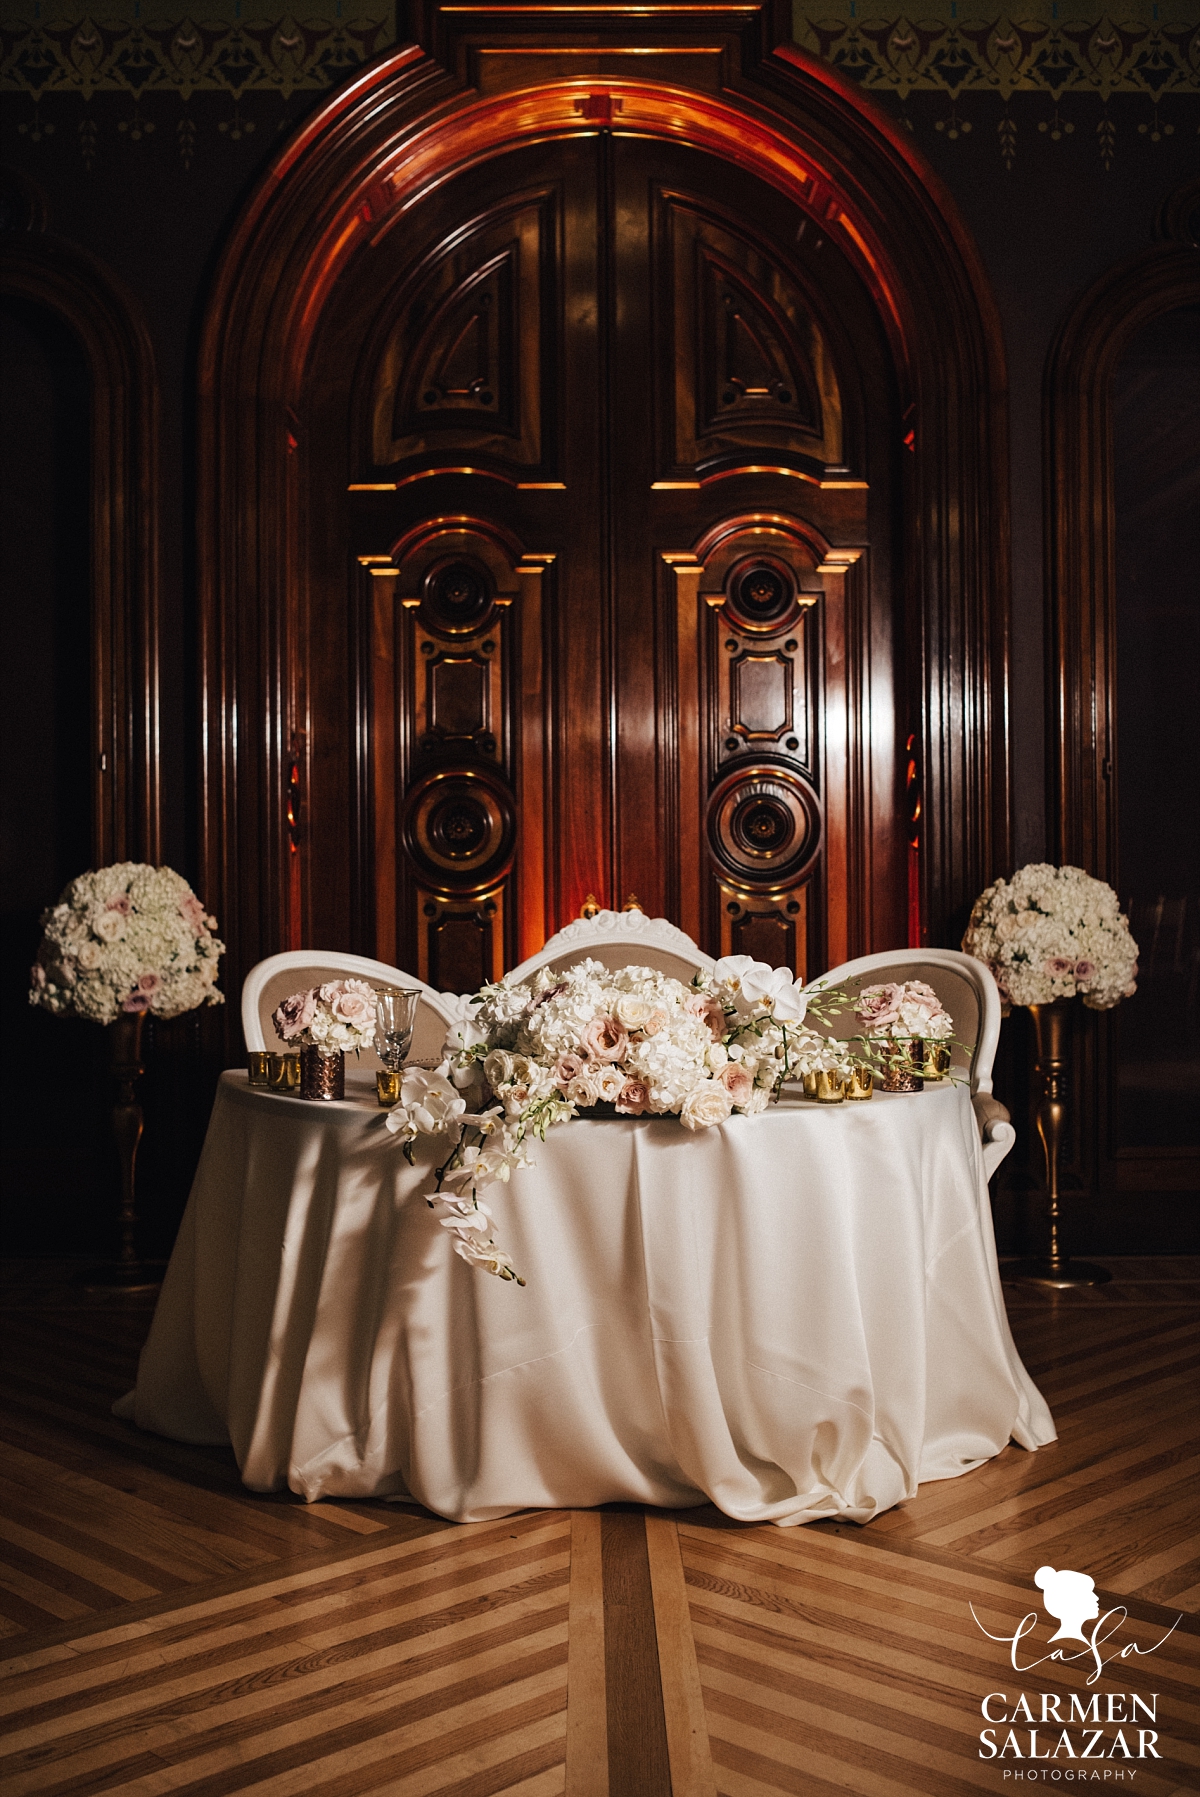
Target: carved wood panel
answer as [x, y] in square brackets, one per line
[468, 341]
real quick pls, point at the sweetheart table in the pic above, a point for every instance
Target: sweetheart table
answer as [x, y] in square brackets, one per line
[792, 1316]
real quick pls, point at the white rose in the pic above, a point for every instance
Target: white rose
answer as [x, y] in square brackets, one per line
[705, 1104]
[610, 1082]
[90, 956]
[717, 1055]
[109, 926]
[498, 1068]
[632, 1012]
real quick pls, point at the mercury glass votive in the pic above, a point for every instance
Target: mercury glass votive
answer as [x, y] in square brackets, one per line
[900, 1074]
[861, 1083]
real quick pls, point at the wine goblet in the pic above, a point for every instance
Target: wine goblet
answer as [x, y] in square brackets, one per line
[395, 1015]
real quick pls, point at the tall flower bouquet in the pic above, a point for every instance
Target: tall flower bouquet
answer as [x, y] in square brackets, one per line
[127, 939]
[1054, 932]
[633, 1039]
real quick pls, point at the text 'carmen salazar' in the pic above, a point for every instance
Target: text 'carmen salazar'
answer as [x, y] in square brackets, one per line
[1103, 1726]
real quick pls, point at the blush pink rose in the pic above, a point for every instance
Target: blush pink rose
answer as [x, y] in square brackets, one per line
[605, 1040]
[635, 1096]
[352, 1002]
[566, 1068]
[294, 1015]
[710, 1010]
[736, 1081]
[149, 982]
[879, 1005]
[1085, 970]
[1059, 967]
[37, 974]
[137, 1001]
[192, 912]
[656, 1021]
[122, 903]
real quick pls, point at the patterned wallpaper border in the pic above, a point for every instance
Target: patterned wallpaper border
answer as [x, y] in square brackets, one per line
[1003, 55]
[220, 51]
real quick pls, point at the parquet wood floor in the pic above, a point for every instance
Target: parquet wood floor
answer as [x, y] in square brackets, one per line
[164, 1631]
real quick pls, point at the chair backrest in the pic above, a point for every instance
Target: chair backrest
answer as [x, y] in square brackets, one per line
[278, 976]
[964, 985]
[620, 939]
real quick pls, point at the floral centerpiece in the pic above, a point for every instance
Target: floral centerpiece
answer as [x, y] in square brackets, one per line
[564, 1043]
[901, 1019]
[333, 1018]
[1054, 932]
[129, 939]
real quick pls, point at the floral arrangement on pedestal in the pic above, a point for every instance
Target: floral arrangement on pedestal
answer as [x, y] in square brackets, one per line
[334, 1018]
[633, 1039]
[1054, 932]
[128, 939]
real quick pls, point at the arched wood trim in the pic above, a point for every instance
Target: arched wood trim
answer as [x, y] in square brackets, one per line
[1081, 544]
[103, 317]
[398, 129]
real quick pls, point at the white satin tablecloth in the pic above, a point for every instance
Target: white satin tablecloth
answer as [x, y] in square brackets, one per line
[793, 1316]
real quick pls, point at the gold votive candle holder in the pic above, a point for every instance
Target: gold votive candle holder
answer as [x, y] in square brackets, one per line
[809, 1081]
[861, 1083]
[387, 1087]
[934, 1060]
[283, 1075]
[258, 1067]
[831, 1086]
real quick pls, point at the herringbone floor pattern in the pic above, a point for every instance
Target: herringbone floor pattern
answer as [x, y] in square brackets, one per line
[164, 1631]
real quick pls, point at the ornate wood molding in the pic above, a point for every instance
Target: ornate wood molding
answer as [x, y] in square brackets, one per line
[729, 83]
[1081, 543]
[104, 317]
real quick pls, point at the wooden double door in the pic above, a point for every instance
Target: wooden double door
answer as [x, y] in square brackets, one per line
[599, 456]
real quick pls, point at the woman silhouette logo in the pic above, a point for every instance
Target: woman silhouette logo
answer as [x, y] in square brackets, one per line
[1070, 1597]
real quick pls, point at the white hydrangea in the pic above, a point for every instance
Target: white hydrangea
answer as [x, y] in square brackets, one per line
[1054, 932]
[127, 938]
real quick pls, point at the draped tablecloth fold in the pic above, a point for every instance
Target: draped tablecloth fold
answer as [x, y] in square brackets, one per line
[792, 1316]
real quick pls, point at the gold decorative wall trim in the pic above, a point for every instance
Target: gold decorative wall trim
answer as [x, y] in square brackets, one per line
[279, 55]
[1050, 47]
[1005, 54]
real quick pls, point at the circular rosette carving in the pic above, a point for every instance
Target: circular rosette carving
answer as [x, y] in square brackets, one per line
[458, 596]
[760, 595]
[460, 827]
[764, 825]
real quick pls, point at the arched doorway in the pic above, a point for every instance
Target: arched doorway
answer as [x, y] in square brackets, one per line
[619, 496]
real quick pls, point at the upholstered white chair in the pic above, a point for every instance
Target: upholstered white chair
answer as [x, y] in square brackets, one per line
[969, 993]
[620, 939]
[275, 978]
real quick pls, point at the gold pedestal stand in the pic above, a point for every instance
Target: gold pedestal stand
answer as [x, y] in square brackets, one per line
[127, 1273]
[1051, 1026]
